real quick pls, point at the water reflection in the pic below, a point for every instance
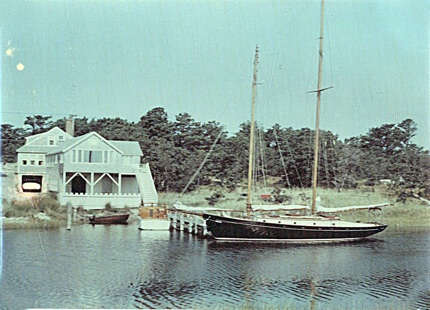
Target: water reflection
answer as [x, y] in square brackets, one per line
[121, 267]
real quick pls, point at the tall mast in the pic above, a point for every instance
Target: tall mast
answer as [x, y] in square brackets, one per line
[317, 122]
[251, 136]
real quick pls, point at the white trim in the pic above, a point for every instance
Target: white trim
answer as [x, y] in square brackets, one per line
[86, 137]
[110, 177]
[78, 173]
[290, 240]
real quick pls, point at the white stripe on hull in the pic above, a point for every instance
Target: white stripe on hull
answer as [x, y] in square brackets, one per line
[289, 240]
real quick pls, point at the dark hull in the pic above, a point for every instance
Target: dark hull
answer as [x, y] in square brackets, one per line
[109, 219]
[235, 229]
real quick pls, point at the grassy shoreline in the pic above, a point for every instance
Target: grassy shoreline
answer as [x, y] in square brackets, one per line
[47, 213]
[411, 213]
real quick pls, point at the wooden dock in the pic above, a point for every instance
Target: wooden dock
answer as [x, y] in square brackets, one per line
[191, 222]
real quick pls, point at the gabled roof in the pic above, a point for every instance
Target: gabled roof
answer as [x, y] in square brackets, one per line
[31, 145]
[56, 130]
[72, 142]
[78, 140]
[128, 147]
[122, 147]
[43, 149]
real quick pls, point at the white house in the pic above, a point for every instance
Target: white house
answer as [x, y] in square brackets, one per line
[31, 165]
[91, 172]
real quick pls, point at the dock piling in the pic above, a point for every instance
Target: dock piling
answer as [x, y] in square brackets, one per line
[192, 223]
[69, 216]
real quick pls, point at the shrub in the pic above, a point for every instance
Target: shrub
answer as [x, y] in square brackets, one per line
[9, 212]
[305, 199]
[30, 207]
[279, 198]
[18, 208]
[47, 203]
[53, 195]
[23, 206]
[215, 198]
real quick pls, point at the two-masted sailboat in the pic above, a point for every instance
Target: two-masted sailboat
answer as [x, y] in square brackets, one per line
[315, 227]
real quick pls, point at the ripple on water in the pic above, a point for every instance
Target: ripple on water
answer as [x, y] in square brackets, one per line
[115, 267]
[422, 300]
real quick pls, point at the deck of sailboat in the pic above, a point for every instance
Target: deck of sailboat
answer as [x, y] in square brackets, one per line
[313, 220]
[316, 221]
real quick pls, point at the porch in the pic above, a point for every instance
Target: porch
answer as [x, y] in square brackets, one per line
[93, 190]
[100, 200]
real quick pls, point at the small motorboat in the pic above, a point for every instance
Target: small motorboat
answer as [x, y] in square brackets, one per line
[107, 219]
[31, 187]
[153, 217]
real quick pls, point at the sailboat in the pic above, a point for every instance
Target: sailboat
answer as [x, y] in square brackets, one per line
[314, 227]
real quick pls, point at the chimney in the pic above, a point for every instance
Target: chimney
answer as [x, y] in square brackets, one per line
[70, 126]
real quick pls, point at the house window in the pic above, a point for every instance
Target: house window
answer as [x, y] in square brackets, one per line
[24, 162]
[97, 156]
[87, 157]
[105, 159]
[92, 157]
[40, 162]
[51, 140]
[60, 138]
[33, 162]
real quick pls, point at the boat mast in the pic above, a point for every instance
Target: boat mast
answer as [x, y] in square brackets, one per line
[251, 136]
[317, 122]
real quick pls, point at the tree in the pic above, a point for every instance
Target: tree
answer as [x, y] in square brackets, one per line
[38, 123]
[388, 153]
[235, 165]
[279, 159]
[114, 129]
[11, 139]
[203, 144]
[155, 135]
[187, 133]
[81, 125]
[348, 171]
[301, 149]
[155, 123]
[192, 142]
[176, 150]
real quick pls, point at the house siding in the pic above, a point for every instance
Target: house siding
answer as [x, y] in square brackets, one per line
[89, 171]
[31, 163]
[96, 172]
[31, 159]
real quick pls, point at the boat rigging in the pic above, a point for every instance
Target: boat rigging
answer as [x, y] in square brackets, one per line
[316, 227]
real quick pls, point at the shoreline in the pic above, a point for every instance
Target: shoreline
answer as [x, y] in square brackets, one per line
[419, 217]
[411, 212]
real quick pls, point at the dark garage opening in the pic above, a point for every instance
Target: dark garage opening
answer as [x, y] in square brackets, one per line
[31, 183]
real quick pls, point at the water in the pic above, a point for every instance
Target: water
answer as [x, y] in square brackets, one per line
[122, 267]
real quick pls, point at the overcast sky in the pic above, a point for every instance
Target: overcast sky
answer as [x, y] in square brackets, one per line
[122, 58]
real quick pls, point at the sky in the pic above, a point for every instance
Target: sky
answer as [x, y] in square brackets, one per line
[123, 58]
